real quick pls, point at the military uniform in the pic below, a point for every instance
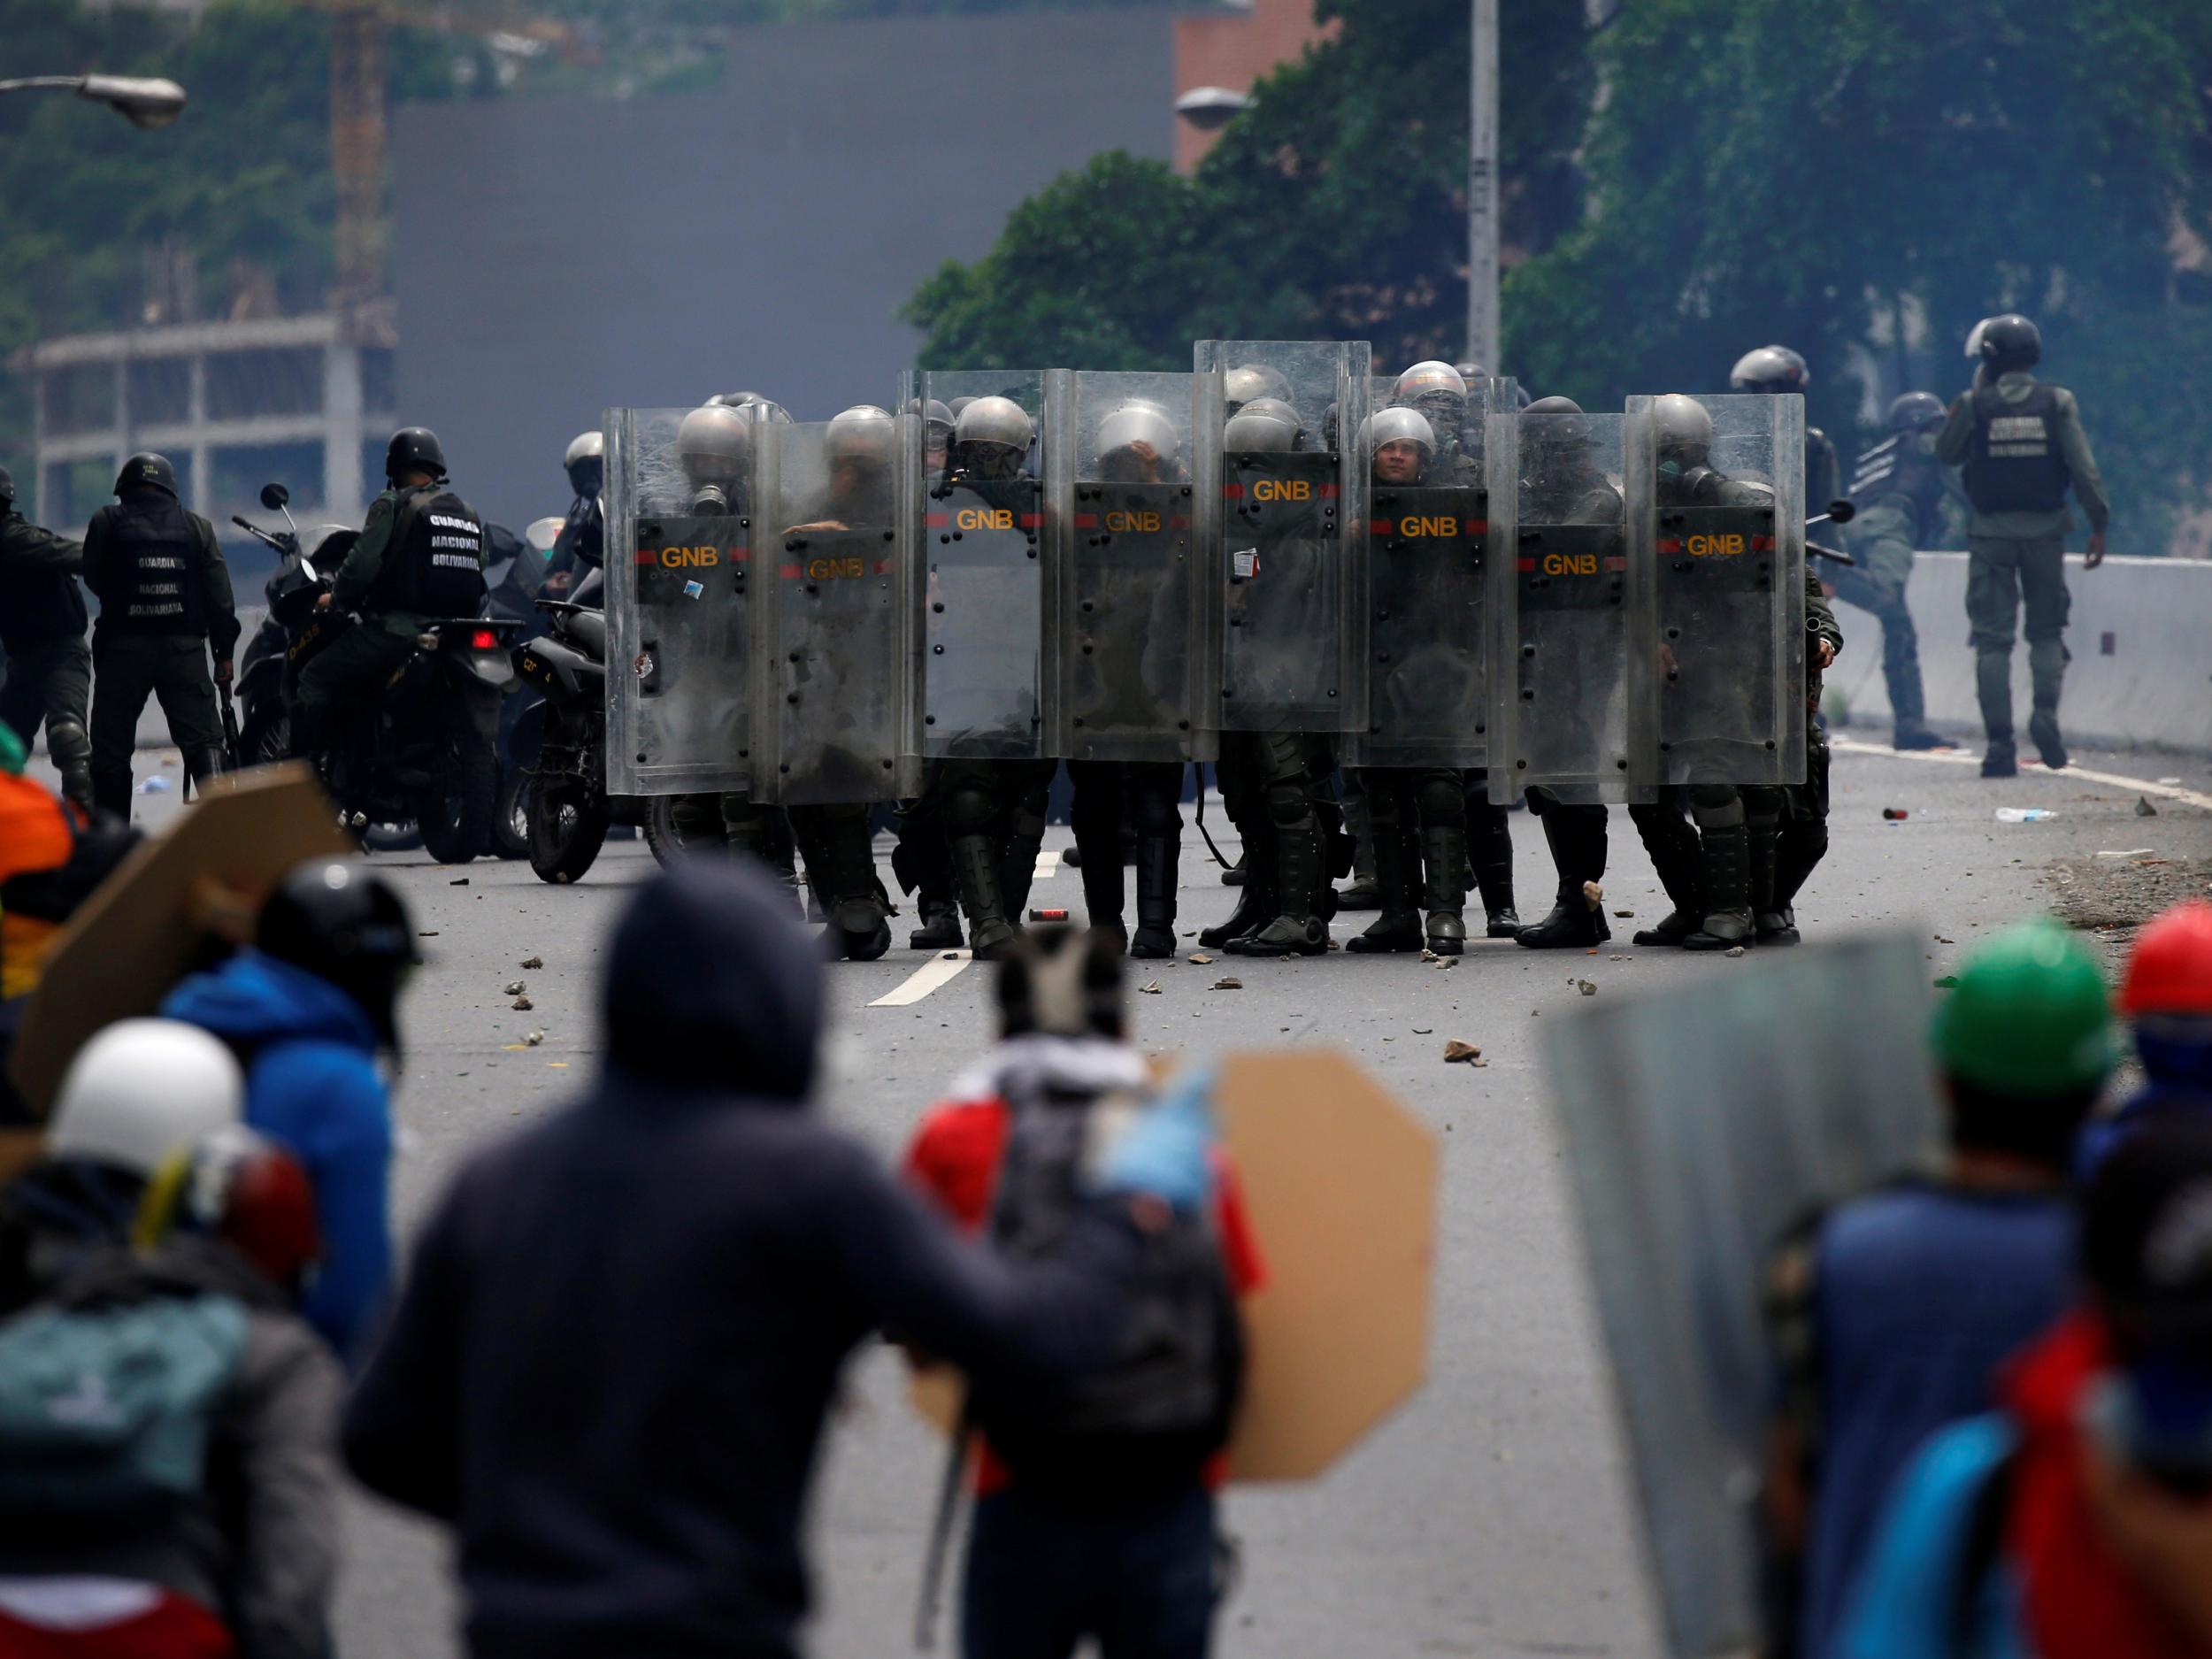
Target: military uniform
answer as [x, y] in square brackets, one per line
[1897, 487]
[48, 668]
[2021, 445]
[165, 605]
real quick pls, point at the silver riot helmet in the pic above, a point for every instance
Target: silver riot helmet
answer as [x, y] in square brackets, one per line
[713, 447]
[1401, 423]
[1278, 409]
[1242, 385]
[2006, 342]
[586, 462]
[937, 420]
[999, 422]
[1769, 369]
[1685, 430]
[1470, 371]
[1265, 425]
[863, 433]
[1436, 389]
[1137, 440]
[734, 400]
[1915, 412]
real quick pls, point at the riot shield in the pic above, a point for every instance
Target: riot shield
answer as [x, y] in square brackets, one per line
[1427, 601]
[677, 624]
[1458, 427]
[1717, 560]
[983, 609]
[1126, 520]
[830, 675]
[1703, 1123]
[1284, 598]
[1559, 713]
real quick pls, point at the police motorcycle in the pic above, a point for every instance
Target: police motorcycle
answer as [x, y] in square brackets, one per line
[423, 753]
[560, 740]
[515, 574]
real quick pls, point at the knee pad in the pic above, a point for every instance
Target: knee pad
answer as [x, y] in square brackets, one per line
[970, 809]
[1157, 810]
[1716, 806]
[1288, 805]
[1440, 800]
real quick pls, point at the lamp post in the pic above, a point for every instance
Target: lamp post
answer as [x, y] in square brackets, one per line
[145, 102]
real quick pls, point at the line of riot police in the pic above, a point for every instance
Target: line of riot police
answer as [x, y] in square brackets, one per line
[1276, 563]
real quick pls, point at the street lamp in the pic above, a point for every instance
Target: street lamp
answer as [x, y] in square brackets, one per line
[1209, 108]
[147, 102]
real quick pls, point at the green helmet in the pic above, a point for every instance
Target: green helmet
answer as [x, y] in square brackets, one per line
[2030, 1015]
[12, 753]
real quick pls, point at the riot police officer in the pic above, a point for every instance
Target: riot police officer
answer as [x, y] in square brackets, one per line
[581, 546]
[1779, 369]
[1439, 392]
[47, 677]
[2022, 445]
[1407, 806]
[165, 608]
[419, 559]
[1897, 487]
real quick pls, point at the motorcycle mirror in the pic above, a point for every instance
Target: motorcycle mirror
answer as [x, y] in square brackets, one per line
[274, 497]
[542, 534]
[1841, 512]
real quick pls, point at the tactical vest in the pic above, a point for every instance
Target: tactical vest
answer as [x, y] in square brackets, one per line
[434, 566]
[37, 606]
[2014, 464]
[154, 585]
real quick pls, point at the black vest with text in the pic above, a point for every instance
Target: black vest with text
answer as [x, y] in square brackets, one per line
[434, 566]
[2015, 465]
[155, 585]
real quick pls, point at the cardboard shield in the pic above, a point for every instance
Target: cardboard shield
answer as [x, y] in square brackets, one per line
[1340, 1182]
[149, 922]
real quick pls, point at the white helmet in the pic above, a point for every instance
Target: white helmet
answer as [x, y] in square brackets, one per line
[999, 420]
[713, 444]
[1683, 428]
[1138, 421]
[863, 433]
[142, 1088]
[1400, 424]
[585, 446]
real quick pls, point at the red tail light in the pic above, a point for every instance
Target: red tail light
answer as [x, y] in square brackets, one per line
[483, 640]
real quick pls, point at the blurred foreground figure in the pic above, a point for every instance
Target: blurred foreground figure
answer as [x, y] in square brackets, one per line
[1892, 1311]
[48, 676]
[2167, 994]
[610, 1364]
[1094, 1502]
[2075, 1521]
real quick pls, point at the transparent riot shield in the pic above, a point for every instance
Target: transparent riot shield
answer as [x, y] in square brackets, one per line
[1702, 1124]
[1560, 609]
[829, 661]
[1127, 520]
[1714, 489]
[1457, 421]
[678, 535]
[1284, 594]
[984, 608]
[1426, 600]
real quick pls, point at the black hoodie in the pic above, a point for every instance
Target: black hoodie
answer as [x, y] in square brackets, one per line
[610, 1364]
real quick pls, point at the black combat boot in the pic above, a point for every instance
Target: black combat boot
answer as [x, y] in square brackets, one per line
[1489, 838]
[1101, 889]
[1297, 929]
[941, 924]
[1576, 841]
[1158, 857]
[1772, 923]
[2043, 732]
[1399, 926]
[1364, 891]
[841, 860]
[975, 867]
[2000, 759]
[1018, 861]
[1725, 880]
[1255, 898]
[1444, 854]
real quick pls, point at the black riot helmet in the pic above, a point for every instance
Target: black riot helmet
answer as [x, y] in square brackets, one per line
[1915, 411]
[7, 490]
[2006, 342]
[414, 448]
[147, 470]
[1769, 369]
[341, 921]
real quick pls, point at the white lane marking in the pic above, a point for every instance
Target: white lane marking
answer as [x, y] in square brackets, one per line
[932, 975]
[2142, 786]
[1048, 865]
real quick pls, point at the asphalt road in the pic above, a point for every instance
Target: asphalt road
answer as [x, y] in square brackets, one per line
[1491, 1517]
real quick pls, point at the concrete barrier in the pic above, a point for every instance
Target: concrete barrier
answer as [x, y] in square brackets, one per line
[2140, 633]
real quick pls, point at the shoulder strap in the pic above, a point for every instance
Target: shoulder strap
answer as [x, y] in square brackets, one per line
[1978, 1551]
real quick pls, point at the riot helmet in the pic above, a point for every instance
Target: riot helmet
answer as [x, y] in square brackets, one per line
[1685, 430]
[1268, 425]
[242, 1189]
[734, 400]
[1769, 369]
[959, 403]
[414, 450]
[713, 445]
[2006, 342]
[937, 418]
[1470, 371]
[861, 434]
[1552, 406]
[1242, 385]
[1914, 411]
[993, 430]
[141, 1088]
[1399, 424]
[1437, 390]
[1137, 443]
[587, 462]
[147, 470]
[7, 490]
[342, 922]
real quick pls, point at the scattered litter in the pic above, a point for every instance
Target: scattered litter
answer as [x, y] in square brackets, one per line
[169, 760]
[1622, 915]
[154, 786]
[432, 934]
[462, 882]
[1430, 956]
[531, 962]
[2128, 852]
[1424, 1030]
[2023, 814]
[1190, 933]
[523, 1004]
[2169, 780]
[1588, 988]
[1733, 952]
[1336, 944]
[1228, 985]
[1478, 1062]
[1893, 814]
[1446, 962]
[1940, 940]
[516, 987]
[1200, 958]
[1593, 895]
[1592, 951]
[1153, 989]
[1455, 1050]
[1948, 982]
[1047, 916]
[2144, 808]
[556, 1065]
[535, 1039]
[1616, 957]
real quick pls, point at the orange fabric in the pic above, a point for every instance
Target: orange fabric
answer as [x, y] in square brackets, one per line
[34, 827]
[953, 1159]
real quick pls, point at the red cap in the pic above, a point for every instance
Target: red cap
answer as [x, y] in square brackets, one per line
[2170, 971]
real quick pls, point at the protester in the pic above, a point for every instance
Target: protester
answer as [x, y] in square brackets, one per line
[2075, 1521]
[2167, 994]
[1095, 1509]
[610, 1363]
[307, 1011]
[1893, 1311]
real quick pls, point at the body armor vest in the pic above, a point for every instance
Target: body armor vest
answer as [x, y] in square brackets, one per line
[435, 566]
[155, 585]
[2014, 465]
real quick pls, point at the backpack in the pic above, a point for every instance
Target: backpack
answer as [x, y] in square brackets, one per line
[108, 1411]
[1142, 1426]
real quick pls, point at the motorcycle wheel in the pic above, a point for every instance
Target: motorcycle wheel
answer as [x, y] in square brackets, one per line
[510, 814]
[267, 738]
[457, 826]
[661, 834]
[568, 825]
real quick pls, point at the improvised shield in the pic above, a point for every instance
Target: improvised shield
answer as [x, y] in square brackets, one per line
[679, 534]
[1288, 578]
[1559, 713]
[1427, 602]
[830, 668]
[1716, 559]
[976, 544]
[1702, 1124]
[1126, 520]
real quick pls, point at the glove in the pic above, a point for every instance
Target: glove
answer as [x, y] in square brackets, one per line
[1166, 1152]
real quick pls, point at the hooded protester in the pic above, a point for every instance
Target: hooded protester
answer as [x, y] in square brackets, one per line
[307, 1011]
[610, 1364]
[2167, 994]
